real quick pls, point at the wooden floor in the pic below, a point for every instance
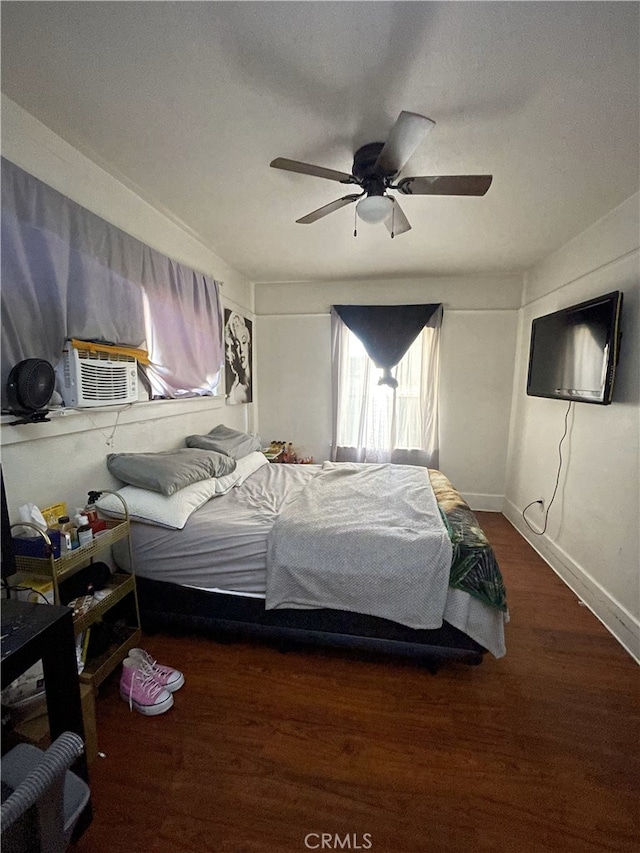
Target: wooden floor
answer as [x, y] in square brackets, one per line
[535, 752]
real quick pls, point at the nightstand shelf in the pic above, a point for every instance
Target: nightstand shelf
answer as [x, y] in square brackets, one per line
[120, 585]
[98, 668]
[66, 566]
[120, 589]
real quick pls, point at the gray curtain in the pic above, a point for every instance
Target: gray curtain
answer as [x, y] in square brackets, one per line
[68, 273]
[386, 331]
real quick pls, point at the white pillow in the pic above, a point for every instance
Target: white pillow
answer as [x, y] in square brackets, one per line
[174, 510]
[153, 508]
[245, 466]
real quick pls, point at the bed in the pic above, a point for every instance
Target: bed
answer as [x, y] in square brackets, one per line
[215, 573]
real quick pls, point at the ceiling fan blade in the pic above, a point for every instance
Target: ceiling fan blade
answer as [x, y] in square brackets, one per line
[446, 185]
[328, 208]
[405, 136]
[308, 169]
[397, 223]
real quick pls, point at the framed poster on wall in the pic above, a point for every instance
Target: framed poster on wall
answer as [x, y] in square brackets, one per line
[238, 346]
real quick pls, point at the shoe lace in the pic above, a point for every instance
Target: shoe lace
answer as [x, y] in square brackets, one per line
[152, 663]
[143, 677]
[158, 669]
[150, 667]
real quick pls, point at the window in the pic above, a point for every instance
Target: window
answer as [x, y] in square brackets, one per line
[377, 423]
[183, 324]
[67, 273]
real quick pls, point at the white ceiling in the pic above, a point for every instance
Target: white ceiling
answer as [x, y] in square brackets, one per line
[189, 102]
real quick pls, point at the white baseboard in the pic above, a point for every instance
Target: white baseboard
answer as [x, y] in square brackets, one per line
[484, 503]
[622, 624]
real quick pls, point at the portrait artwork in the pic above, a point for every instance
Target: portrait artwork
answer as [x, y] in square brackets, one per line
[237, 365]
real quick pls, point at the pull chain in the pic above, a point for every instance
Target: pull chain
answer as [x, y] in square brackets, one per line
[355, 223]
[393, 219]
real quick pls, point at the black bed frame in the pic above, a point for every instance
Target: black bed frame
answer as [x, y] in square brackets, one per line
[168, 606]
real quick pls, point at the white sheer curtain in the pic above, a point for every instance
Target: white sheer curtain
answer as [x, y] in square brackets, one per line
[376, 423]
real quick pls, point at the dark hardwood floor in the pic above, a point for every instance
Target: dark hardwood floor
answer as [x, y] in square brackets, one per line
[538, 751]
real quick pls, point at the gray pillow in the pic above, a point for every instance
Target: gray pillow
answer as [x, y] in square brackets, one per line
[226, 440]
[170, 470]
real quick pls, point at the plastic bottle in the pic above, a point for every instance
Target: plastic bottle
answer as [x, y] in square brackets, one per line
[85, 535]
[68, 534]
[90, 510]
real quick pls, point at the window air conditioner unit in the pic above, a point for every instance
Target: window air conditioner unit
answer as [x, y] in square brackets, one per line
[98, 378]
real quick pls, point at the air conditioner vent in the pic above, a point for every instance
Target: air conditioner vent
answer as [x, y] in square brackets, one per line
[100, 384]
[97, 378]
[85, 355]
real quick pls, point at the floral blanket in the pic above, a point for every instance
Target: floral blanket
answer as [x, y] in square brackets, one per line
[473, 566]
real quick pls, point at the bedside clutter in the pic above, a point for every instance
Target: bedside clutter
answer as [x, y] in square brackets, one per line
[29, 721]
[39, 632]
[284, 452]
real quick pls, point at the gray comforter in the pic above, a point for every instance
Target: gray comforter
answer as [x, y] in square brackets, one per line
[367, 538]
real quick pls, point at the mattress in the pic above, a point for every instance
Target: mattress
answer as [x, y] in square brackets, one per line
[223, 548]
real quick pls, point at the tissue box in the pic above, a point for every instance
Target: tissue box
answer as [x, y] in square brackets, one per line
[38, 590]
[35, 546]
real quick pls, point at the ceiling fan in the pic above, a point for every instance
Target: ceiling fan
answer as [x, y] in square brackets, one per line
[376, 166]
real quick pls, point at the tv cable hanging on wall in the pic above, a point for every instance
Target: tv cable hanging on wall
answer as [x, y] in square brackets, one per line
[555, 488]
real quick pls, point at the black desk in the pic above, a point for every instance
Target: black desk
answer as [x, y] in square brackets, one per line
[33, 632]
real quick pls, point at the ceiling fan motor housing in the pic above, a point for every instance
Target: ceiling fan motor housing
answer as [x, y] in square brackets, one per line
[364, 167]
[372, 179]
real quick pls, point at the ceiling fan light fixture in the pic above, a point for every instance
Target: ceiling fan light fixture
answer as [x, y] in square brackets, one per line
[374, 208]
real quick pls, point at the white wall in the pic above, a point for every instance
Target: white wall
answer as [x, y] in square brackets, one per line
[476, 369]
[593, 532]
[62, 459]
[294, 381]
[478, 345]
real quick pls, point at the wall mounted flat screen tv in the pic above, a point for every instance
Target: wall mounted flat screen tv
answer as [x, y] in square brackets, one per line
[573, 353]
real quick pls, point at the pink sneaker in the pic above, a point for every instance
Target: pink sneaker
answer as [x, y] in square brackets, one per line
[170, 679]
[139, 688]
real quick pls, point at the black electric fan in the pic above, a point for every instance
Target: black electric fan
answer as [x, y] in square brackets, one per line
[29, 389]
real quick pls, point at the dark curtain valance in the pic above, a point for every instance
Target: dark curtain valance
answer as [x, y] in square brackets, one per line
[386, 331]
